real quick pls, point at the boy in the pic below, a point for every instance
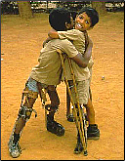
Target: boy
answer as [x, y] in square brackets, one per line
[85, 20]
[45, 75]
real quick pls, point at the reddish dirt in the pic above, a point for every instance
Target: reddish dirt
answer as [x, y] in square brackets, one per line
[21, 42]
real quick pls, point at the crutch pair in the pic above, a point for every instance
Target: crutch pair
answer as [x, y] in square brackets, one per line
[78, 111]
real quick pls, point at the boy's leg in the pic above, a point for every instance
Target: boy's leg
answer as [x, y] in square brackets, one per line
[54, 98]
[23, 116]
[22, 119]
[92, 131]
[52, 125]
[90, 112]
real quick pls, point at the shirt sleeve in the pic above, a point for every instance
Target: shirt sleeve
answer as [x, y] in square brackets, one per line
[68, 48]
[69, 34]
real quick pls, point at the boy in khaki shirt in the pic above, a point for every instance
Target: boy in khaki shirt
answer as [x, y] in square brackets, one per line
[85, 20]
[45, 75]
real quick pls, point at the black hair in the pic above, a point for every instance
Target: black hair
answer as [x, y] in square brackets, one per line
[74, 14]
[58, 17]
[92, 13]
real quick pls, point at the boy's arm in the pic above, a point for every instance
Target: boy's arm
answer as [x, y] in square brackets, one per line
[72, 34]
[53, 34]
[68, 48]
[69, 34]
[83, 60]
[80, 60]
[88, 53]
[46, 41]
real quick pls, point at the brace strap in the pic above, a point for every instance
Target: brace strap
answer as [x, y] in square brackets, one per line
[30, 94]
[42, 93]
[49, 107]
[44, 99]
[25, 112]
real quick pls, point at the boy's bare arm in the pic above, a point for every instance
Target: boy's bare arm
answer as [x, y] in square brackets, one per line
[53, 34]
[83, 61]
[87, 55]
[80, 60]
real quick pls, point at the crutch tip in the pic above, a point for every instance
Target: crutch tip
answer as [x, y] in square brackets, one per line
[85, 153]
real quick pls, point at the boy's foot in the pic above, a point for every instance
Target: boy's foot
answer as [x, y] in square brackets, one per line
[78, 149]
[93, 133]
[70, 118]
[14, 150]
[54, 127]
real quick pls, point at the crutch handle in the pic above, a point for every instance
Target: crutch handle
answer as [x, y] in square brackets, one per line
[59, 51]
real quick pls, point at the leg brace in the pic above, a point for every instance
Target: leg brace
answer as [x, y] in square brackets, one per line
[26, 110]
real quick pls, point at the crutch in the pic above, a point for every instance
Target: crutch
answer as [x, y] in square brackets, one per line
[42, 93]
[80, 120]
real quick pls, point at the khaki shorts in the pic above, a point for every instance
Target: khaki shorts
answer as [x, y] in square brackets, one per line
[83, 92]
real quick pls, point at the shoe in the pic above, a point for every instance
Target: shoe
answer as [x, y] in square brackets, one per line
[93, 133]
[54, 127]
[70, 118]
[14, 150]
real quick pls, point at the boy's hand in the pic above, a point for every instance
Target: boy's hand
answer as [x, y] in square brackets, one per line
[53, 34]
[46, 41]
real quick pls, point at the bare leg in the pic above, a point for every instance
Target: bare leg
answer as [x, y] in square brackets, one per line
[90, 112]
[53, 126]
[54, 99]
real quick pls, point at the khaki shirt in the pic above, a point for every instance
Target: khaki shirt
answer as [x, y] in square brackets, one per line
[48, 70]
[79, 72]
[78, 39]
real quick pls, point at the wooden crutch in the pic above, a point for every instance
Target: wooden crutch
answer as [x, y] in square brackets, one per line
[79, 120]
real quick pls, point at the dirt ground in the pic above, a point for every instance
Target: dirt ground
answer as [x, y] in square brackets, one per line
[21, 42]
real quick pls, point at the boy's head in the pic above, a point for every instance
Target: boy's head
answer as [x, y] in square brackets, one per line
[86, 18]
[60, 19]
